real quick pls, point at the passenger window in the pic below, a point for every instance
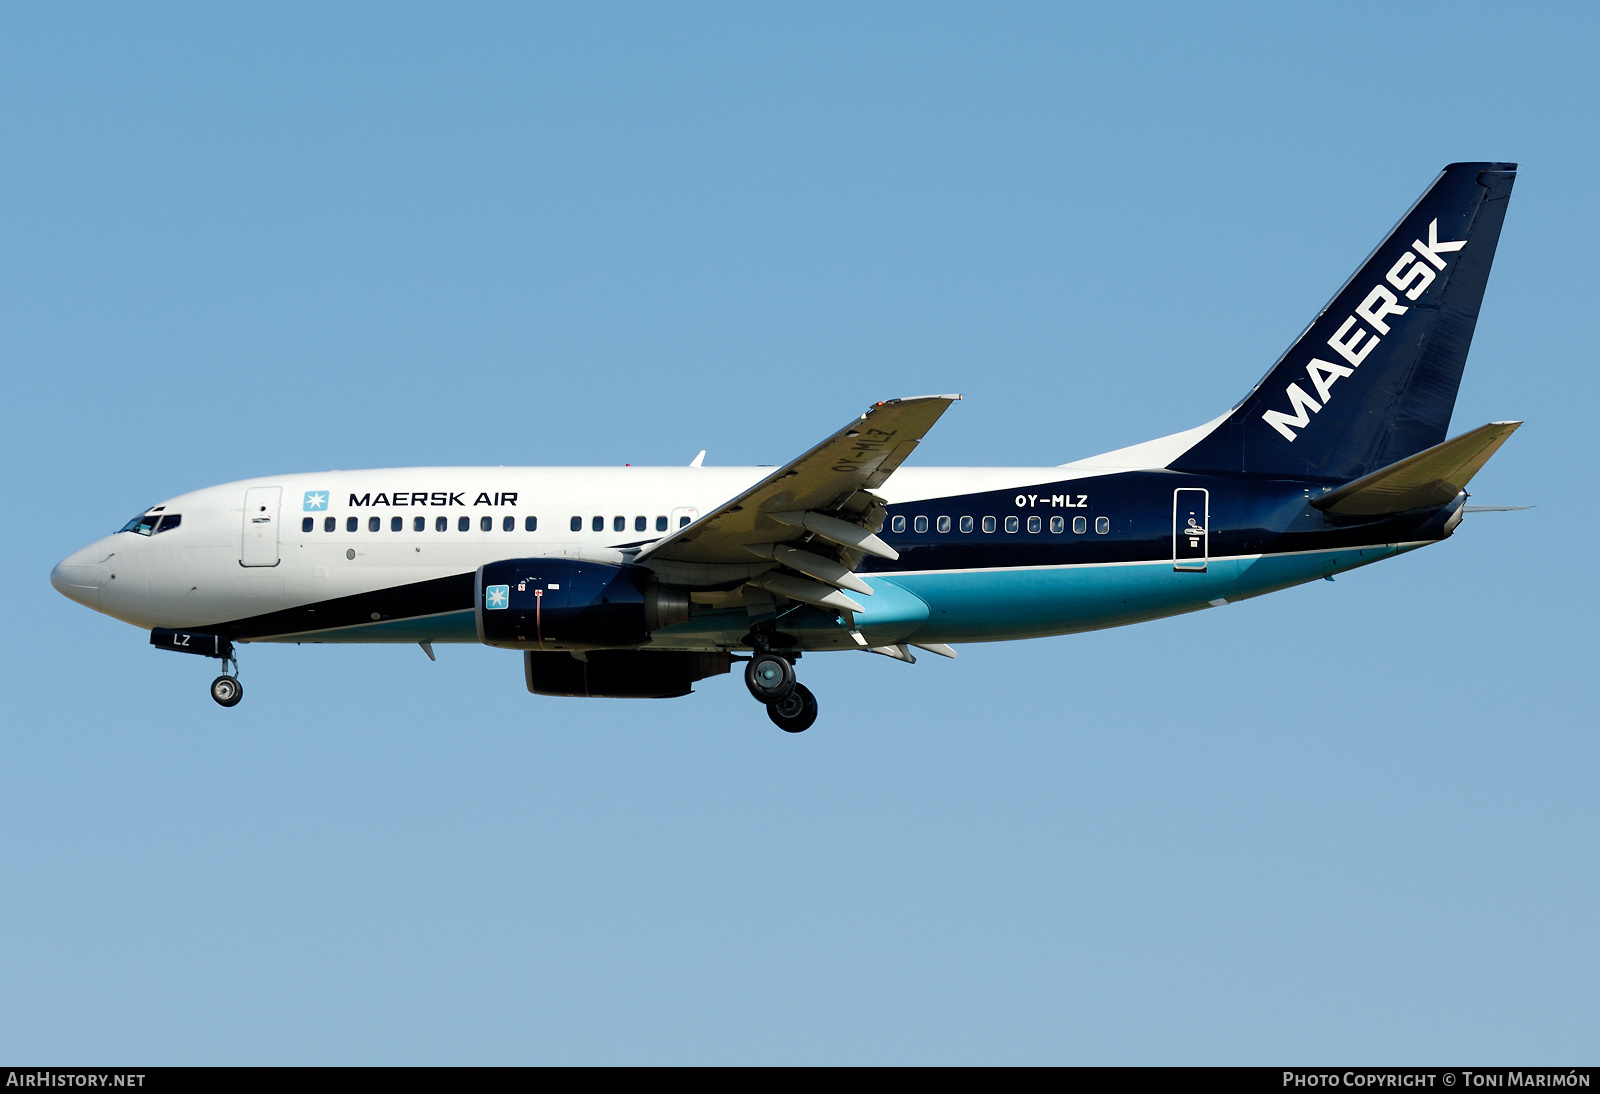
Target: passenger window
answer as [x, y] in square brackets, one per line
[598, 524]
[898, 524]
[1012, 524]
[988, 524]
[350, 524]
[308, 523]
[920, 524]
[397, 524]
[619, 524]
[944, 524]
[640, 524]
[1080, 525]
[485, 524]
[373, 524]
[419, 524]
[530, 524]
[1035, 524]
[329, 523]
[966, 524]
[683, 522]
[441, 524]
[1102, 525]
[577, 524]
[661, 524]
[464, 524]
[509, 524]
[1058, 525]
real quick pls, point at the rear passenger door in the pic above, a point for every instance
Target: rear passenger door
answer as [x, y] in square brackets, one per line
[1191, 517]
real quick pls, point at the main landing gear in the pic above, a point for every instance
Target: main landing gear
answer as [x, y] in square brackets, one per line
[789, 703]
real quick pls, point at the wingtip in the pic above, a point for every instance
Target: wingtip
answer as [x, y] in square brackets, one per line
[913, 399]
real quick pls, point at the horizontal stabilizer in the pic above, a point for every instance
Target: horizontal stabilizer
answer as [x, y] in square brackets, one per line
[1432, 477]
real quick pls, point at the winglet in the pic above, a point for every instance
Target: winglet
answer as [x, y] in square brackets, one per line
[698, 460]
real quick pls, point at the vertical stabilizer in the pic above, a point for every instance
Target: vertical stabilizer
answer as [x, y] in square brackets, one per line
[1374, 377]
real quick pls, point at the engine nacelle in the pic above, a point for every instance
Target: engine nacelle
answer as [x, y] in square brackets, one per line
[621, 674]
[545, 603]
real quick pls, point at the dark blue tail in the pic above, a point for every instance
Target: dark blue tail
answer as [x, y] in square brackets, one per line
[1373, 379]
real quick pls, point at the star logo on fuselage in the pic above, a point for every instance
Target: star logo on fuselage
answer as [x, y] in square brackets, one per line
[316, 501]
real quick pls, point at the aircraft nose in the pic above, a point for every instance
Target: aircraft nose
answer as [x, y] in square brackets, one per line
[77, 577]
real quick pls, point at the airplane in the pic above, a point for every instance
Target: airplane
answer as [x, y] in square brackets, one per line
[638, 582]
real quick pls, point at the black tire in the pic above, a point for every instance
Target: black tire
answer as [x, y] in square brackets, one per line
[227, 691]
[769, 677]
[795, 712]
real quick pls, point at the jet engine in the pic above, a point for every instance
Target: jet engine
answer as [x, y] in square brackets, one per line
[564, 603]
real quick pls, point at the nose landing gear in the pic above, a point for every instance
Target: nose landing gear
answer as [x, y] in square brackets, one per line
[227, 690]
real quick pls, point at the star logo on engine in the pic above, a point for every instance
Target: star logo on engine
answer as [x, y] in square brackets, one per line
[497, 596]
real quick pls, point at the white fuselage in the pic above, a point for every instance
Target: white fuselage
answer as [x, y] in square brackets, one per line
[197, 573]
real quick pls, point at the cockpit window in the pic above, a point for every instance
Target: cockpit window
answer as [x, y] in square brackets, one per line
[144, 524]
[170, 521]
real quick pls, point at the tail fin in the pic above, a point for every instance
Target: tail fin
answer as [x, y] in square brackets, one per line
[1374, 377]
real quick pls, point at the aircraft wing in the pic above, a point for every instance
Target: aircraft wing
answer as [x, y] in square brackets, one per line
[815, 515]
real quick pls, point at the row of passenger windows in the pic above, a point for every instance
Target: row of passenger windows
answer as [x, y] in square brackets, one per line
[620, 524]
[419, 524]
[441, 524]
[1058, 525]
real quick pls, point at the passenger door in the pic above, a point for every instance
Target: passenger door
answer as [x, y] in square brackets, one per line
[258, 545]
[1191, 515]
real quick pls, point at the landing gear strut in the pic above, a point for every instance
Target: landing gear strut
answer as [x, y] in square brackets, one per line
[226, 689]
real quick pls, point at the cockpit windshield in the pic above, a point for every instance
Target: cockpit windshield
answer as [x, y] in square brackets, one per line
[148, 524]
[144, 524]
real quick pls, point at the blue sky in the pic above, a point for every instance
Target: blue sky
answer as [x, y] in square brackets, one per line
[1351, 821]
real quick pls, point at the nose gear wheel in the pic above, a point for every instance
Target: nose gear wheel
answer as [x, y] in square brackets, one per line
[227, 691]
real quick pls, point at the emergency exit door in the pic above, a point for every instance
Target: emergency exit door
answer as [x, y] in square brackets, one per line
[1191, 515]
[258, 546]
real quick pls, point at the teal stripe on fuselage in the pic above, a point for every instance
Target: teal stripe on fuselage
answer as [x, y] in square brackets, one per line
[999, 605]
